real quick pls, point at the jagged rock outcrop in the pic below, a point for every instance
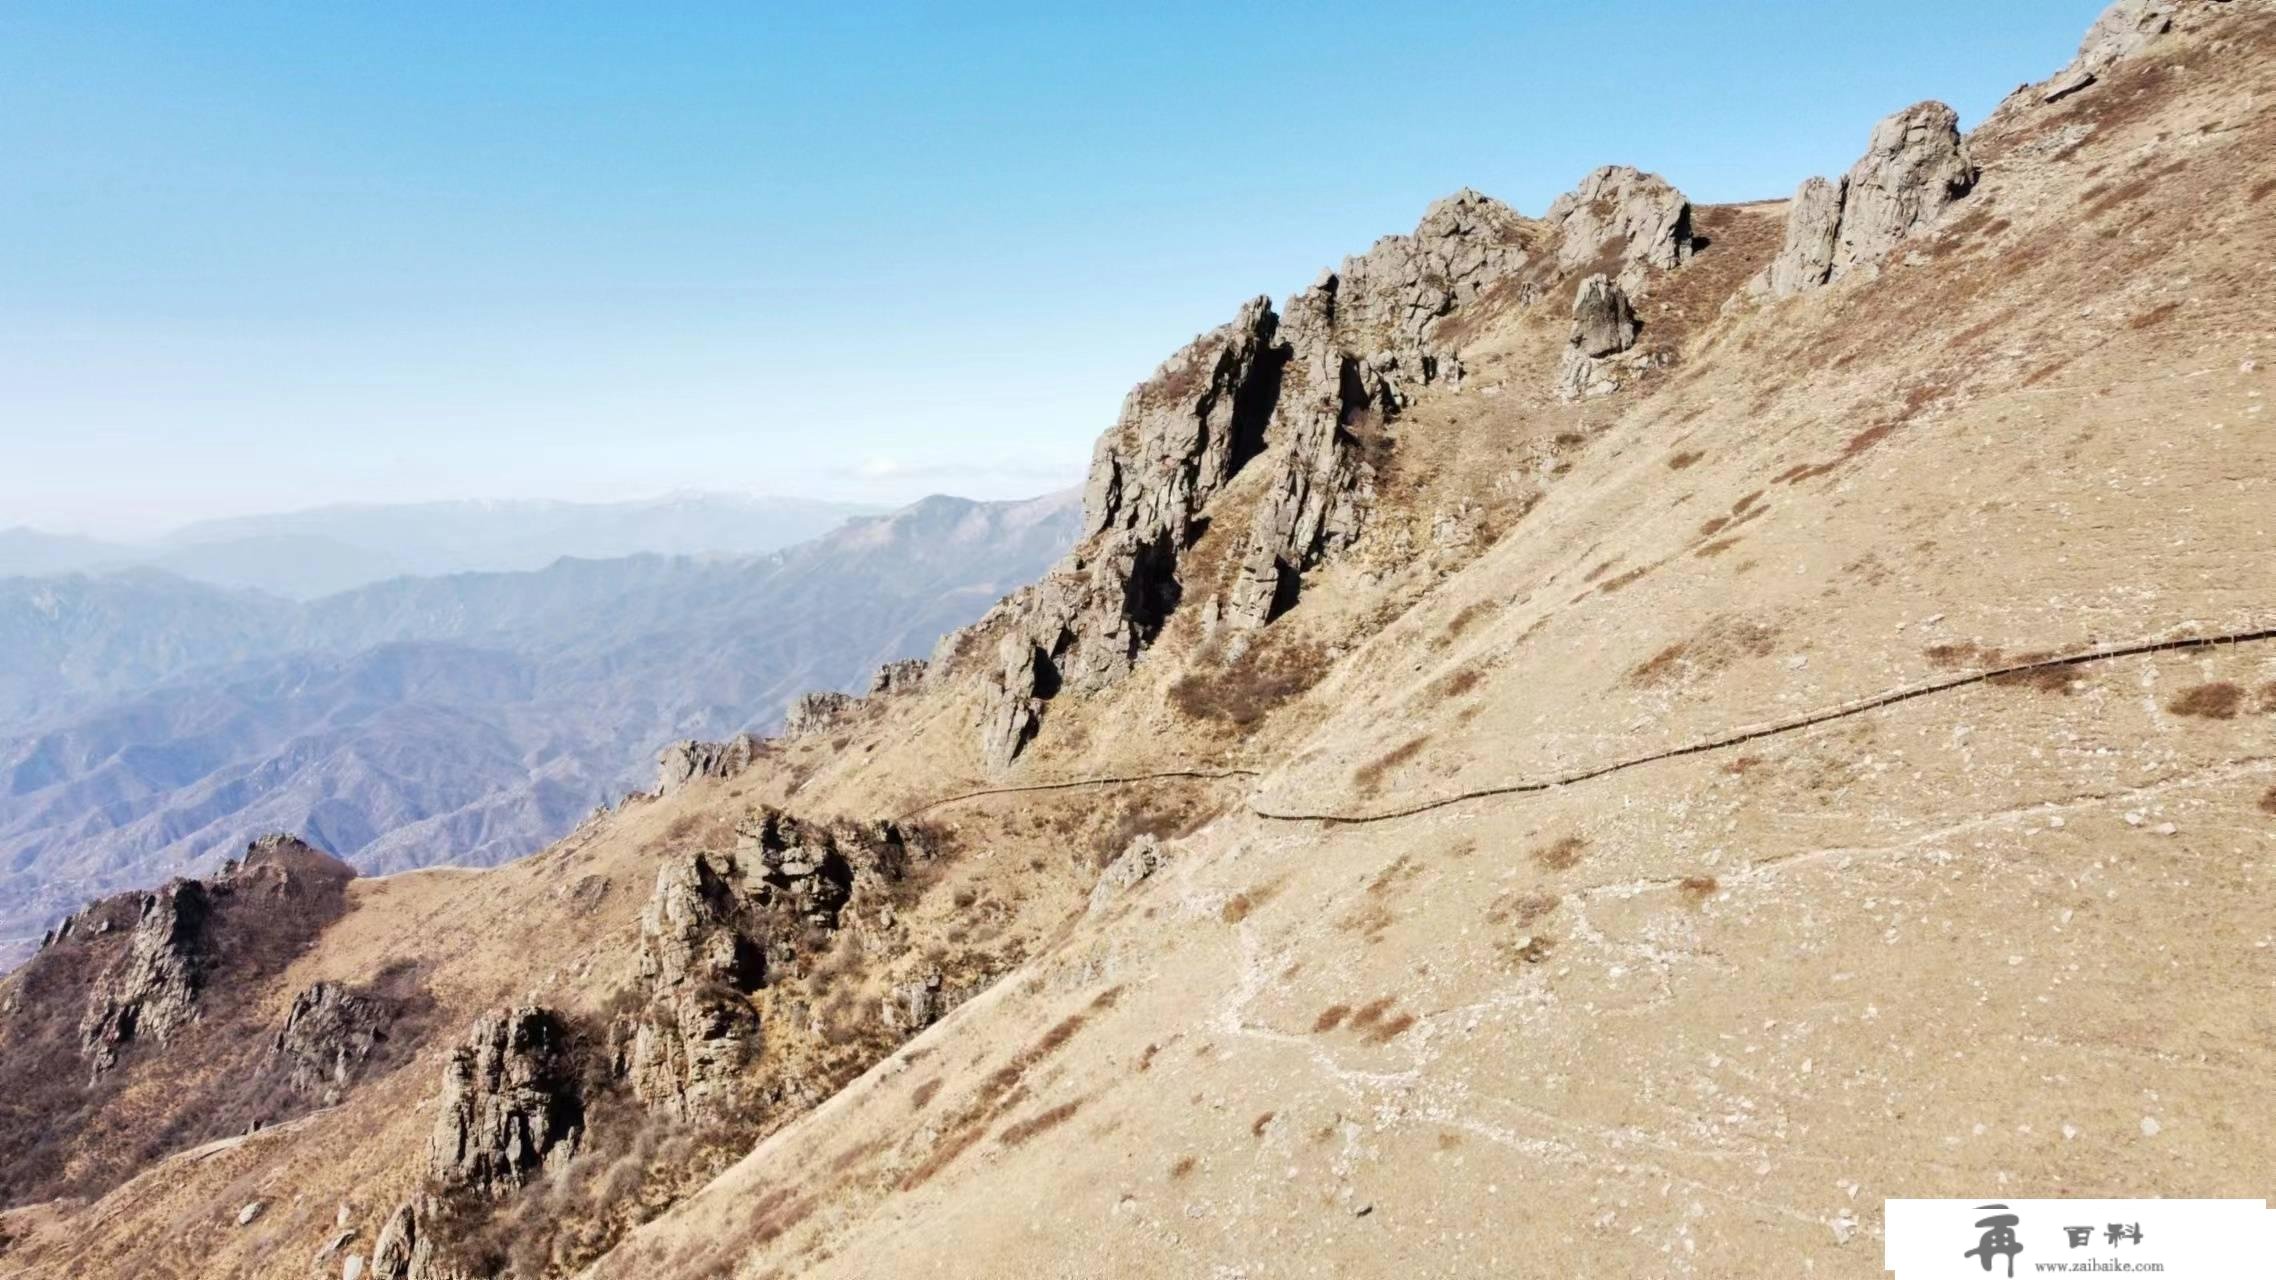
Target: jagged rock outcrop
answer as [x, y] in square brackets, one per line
[898, 677]
[812, 713]
[1604, 326]
[405, 1250]
[1914, 167]
[1624, 222]
[1813, 225]
[1136, 864]
[328, 1035]
[719, 926]
[2124, 29]
[683, 762]
[1322, 486]
[152, 991]
[510, 1107]
[1306, 394]
[1603, 321]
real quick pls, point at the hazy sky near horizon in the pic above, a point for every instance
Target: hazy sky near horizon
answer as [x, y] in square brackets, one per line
[256, 257]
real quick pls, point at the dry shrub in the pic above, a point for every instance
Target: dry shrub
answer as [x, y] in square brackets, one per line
[1697, 889]
[1266, 678]
[2268, 801]
[1722, 642]
[2154, 317]
[1370, 776]
[1236, 909]
[1330, 1018]
[1521, 909]
[2219, 700]
[1182, 1168]
[1684, 459]
[1258, 1125]
[1561, 855]
[924, 1094]
[1043, 1121]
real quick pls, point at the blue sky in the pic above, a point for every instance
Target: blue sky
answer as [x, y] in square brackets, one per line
[266, 256]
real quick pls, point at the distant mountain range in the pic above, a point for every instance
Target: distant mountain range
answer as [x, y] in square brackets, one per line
[316, 552]
[149, 725]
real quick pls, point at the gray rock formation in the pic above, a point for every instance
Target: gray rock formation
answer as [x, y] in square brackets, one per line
[1604, 326]
[683, 762]
[510, 1107]
[1137, 863]
[328, 1035]
[721, 925]
[1307, 396]
[1603, 321]
[812, 713]
[2124, 29]
[1622, 221]
[404, 1250]
[898, 677]
[152, 990]
[1914, 167]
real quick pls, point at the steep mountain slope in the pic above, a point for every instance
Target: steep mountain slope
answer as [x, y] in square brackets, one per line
[466, 719]
[1618, 793]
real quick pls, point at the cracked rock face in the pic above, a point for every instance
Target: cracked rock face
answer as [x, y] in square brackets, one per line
[898, 677]
[1915, 166]
[330, 1032]
[404, 1251]
[719, 926]
[812, 713]
[152, 991]
[1603, 321]
[2123, 30]
[1294, 395]
[509, 1108]
[1623, 221]
[684, 762]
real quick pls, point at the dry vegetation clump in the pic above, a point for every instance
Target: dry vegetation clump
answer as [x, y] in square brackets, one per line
[1043, 1121]
[1369, 777]
[1718, 645]
[1266, 678]
[1697, 889]
[2268, 801]
[1562, 854]
[2220, 700]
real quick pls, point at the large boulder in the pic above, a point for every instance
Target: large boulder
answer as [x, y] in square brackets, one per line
[152, 990]
[2124, 29]
[1603, 321]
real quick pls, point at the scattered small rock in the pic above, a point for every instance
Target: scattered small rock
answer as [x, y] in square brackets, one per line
[250, 1212]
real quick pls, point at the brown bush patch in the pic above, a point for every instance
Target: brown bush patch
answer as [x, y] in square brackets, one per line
[1370, 776]
[1698, 889]
[1258, 1125]
[2268, 801]
[2219, 700]
[1236, 909]
[1715, 548]
[1722, 642]
[2261, 189]
[2155, 316]
[1611, 585]
[1561, 855]
[1459, 683]
[1521, 909]
[1265, 679]
[1330, 1018]
[924, 1094]
[1183, 1168]
[1041, 1122]
[1684, 459]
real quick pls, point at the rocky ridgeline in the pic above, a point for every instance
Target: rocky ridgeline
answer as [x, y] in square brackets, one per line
[1297, 392]
[177, 943]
